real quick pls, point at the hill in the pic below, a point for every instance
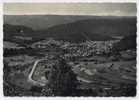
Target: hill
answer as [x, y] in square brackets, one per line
[16, 30]
[96, 28]
[38, 22]
[108, 26]
[128, 42]
[21, 34]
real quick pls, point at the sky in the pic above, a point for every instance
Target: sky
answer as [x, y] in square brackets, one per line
[98, 9]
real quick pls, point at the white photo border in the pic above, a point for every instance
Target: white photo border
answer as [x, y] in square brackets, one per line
[63, 98]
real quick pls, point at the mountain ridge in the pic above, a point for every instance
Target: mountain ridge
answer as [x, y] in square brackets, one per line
[97, 29]
[38, 22]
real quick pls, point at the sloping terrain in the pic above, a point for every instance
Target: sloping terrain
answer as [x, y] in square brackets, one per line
[38, 22]
[98, 29]
[72, 28]
[112, 26]
[128, 42]
[72, 34]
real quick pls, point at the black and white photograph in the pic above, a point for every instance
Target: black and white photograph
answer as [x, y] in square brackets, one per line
[69, 49]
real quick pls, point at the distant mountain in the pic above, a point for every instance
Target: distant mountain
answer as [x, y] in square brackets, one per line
[19, 33]
[38, 22]
[128, 42]
[106, 26]
[94, 28]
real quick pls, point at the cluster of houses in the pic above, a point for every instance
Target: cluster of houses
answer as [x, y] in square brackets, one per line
[84, 49]
[89, 48]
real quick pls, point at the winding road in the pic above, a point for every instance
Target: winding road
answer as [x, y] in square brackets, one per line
[32, 72]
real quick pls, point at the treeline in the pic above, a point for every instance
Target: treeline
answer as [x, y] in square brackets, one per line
[11, 52]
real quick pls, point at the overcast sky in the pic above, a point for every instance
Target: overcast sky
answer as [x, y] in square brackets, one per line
[99, 9]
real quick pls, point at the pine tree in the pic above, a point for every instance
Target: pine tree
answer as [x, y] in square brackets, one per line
[62, 80]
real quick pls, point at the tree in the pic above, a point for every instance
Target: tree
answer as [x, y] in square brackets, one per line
[62, 80]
